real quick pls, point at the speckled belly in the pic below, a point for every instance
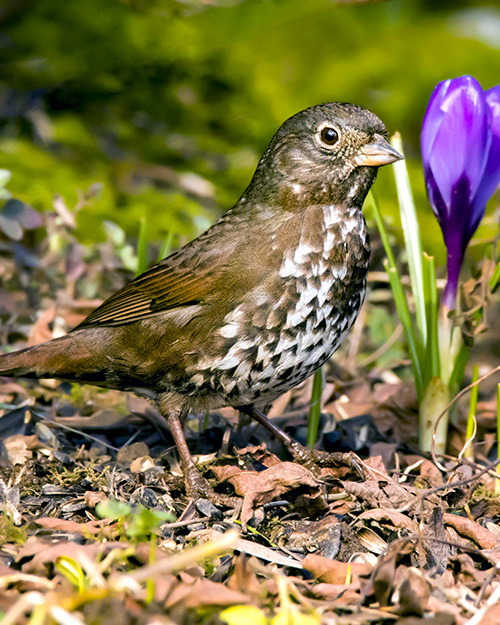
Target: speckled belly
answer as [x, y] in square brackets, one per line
[276, 344]
[269, 363]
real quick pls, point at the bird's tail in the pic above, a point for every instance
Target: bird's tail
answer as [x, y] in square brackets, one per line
[67, 358]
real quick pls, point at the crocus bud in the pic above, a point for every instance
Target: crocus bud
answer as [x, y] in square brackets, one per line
[460, 143]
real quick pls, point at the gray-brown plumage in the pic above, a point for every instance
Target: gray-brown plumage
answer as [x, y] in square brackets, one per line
[255, 304]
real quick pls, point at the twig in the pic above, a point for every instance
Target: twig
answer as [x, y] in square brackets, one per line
[421, 494]
[75, 431]
[175, 524]
[383, 348]
[492, 600]
[486, 583]
[186, 558]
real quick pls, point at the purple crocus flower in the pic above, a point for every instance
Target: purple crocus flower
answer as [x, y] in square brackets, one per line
[461, 153]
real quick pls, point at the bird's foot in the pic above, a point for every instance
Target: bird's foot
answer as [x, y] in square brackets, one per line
[197, 487]
[314, 459]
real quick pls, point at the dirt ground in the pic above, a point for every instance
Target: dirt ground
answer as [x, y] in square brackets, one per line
[96, 525]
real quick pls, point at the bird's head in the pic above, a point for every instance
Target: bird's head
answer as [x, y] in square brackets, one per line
[328, 153]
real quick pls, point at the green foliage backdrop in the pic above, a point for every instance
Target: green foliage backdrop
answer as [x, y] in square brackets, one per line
[168, 104]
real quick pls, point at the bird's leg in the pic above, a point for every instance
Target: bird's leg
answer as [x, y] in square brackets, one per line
[303, 455]
[196, 485]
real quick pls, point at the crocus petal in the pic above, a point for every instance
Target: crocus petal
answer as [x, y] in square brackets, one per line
[492, 170]
[491, 176]
[462, 142]
[461, 153]
[432, 120]
[434, 115]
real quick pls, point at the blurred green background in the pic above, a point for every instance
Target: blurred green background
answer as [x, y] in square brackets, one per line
[167, 104]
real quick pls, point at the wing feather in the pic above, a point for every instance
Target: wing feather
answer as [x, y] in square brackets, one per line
[202, 272]
[159, 289]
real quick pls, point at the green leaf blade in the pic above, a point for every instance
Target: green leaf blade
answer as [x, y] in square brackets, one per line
[411, 234]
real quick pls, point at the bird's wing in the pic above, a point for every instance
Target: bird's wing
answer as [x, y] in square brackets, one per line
[160, 289]
[216, 268]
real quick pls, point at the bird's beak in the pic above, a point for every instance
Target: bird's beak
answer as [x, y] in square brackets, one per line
[376, 153]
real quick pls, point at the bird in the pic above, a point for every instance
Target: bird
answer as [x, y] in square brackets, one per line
[254, 305]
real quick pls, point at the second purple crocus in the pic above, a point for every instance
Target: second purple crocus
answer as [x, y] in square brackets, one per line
[460, 143]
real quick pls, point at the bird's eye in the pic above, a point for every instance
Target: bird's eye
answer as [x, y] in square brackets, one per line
[329, 136]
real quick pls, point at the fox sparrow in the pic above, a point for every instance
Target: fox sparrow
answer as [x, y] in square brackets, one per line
[255, 304]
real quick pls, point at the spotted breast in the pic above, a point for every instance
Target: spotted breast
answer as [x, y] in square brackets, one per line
[275, 344]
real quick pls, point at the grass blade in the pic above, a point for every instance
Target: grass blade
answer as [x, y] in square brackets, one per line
[495, 279]
[433, 362]
[404, 315]
[166, 247]
[457, 375]
[315, 409]
[471, 425]
[142, 248]
[381, 228]
[414, 345]
[412, 237]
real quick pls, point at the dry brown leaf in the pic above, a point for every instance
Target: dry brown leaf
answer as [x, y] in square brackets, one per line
[263, 487]
[443, 613]
[395, 410]
[12, 388]
[472, 530]
[342, 594]
[333, 571]
[203, 593]
[258, 488]
[442, 618]
[227, 471]
[322, 537]
[203, 536]
[383, 579]
[369, 492]
[19, 447]
[93, 498]
[342, 507]
[244, 579]
[45, 553]
[413, 593]
[400, 495]
[431, 473]
[65, 525]
[465, 571]
[398, 520]
[163, 586]
[260, 453]
[139, 465]
[130, 452]
[279, 405]
[379, 472]
[492, 616]
[41, 331]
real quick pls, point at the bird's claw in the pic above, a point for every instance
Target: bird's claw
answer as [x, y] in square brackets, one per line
[314, 458]
[197, 487]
